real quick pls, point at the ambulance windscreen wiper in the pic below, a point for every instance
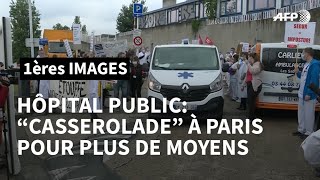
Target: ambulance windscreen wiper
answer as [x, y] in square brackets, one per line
[162, 68]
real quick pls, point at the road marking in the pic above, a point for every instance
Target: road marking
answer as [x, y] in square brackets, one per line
[84, 178]
[110, 137]
[58, 174]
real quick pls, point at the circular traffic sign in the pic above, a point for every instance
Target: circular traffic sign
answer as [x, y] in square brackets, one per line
[137, 41]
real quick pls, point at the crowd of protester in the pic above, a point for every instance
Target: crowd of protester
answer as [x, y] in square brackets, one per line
[242, 74]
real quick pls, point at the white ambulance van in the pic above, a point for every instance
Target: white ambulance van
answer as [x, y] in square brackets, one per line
[190, 72]
[280, 86]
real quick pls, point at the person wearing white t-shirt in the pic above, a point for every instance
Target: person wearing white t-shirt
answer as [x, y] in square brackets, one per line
[234, 78]
[94, 94]
[307, 98]
[311, 149]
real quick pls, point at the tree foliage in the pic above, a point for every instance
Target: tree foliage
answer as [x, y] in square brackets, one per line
[125, 20]
[211, 6]
[196, 24]
[19, 14]
[77, 20]
[58, 26]
[84, 29]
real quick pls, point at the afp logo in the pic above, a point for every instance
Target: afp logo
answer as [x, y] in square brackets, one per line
[303, 16]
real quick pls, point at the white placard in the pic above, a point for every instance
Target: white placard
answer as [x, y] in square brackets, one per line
[111, 49]
[91, 42]
[76, 33]
[300, 33]
[68, 48]
[69, 89]
[245, 47]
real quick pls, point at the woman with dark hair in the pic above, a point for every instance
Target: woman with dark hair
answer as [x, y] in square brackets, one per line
[254, 82]
[130, 54]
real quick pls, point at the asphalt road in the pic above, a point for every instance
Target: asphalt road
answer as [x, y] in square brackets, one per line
[274, 154]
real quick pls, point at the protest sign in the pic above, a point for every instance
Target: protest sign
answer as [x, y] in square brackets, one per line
[300, 33]
[245, 47]
[76, 33]
[68, 48]
[69, 89]
[111, 49]
[91, 42]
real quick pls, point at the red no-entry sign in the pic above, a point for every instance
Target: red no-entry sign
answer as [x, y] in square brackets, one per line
[137, 41]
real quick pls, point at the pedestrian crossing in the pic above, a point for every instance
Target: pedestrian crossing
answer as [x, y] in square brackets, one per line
[87, 167]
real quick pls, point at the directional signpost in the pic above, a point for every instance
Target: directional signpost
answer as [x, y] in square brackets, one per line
[43, 41]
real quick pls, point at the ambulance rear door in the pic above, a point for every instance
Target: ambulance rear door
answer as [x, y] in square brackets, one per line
[280, 85]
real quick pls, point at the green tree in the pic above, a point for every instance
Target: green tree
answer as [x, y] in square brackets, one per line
[211, 6]
[58, 26]
[19, 13]
[84, 29]
[77, 20]
[125, 20]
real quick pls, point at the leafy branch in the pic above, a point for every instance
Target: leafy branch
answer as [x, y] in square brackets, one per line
[211, 6]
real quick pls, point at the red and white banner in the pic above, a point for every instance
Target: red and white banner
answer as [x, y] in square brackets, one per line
[209, 41]
[300, 33]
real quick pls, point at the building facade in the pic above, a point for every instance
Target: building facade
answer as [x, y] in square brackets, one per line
[228, 11]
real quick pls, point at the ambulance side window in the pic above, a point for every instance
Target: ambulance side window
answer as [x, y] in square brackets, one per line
[266, 59]
[281, 60]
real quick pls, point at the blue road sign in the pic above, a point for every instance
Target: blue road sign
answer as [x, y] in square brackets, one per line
[137, 10]
[43, 42]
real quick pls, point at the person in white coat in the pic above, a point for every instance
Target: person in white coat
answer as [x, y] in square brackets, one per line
[44, 88]
[311, 148]
[229, 62]
[242, 83]
[234, 73]
[94, 94]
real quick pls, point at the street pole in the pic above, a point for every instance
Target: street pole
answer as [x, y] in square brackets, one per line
[31, 29]
[25, 84]
[137, 22]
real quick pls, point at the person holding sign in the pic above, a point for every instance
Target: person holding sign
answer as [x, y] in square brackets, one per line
[307, 98]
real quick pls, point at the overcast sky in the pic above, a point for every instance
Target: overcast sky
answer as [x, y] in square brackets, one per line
[99, 15]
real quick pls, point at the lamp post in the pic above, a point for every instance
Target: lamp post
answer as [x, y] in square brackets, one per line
[31, 28]
[25, 84]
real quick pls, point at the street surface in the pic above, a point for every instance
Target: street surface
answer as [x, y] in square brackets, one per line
[274, 154]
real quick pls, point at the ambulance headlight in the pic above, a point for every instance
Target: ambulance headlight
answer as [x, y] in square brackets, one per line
[216, 85]
[154, 85]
